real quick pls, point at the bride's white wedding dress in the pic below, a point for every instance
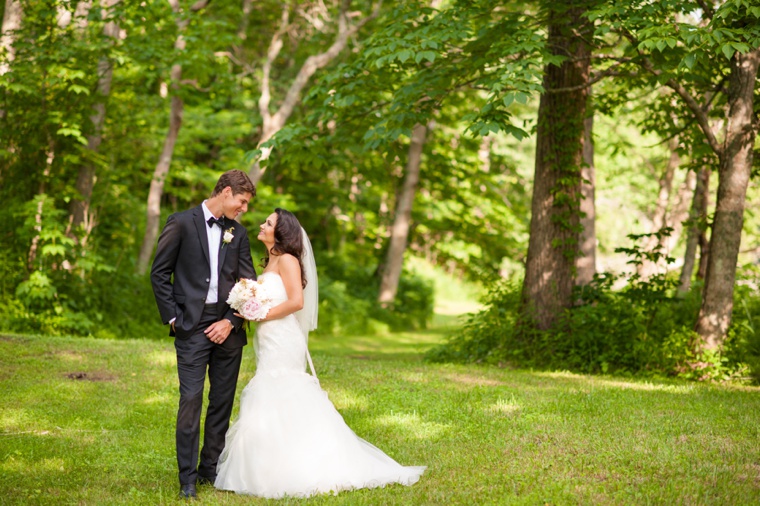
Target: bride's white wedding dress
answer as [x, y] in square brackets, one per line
[289, 440]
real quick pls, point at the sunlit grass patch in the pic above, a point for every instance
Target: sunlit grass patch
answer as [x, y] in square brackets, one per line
[469, 380]
[505, 406]
[159, 398]
[412, 425]
[163, 358]
[14, 419]
[54, 464]
[69, 356]
[345, 399]
[646, 386]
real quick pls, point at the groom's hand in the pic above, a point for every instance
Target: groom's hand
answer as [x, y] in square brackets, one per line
[218, 332]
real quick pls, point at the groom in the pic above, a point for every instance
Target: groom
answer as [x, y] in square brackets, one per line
[206, 251]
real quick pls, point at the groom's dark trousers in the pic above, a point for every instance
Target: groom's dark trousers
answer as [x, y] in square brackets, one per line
[180, 276]
[193, 355]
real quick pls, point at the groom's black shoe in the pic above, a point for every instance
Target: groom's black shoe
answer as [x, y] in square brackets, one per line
[187, 492]
[205, 480]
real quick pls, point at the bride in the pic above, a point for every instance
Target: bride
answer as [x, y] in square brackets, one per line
[289, 440]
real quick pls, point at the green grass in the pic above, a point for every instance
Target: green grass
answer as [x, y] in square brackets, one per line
[86, 421]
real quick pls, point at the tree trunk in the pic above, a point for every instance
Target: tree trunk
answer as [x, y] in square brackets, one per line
[153, 212]
[733, 177]
[680, 212]
[704, 252]
[80, 207]
[11, 22]
[659, 218]
[32, 256]
[555, 209]
[586, 263]
[394, 261]
[247, 8]
[697, 217]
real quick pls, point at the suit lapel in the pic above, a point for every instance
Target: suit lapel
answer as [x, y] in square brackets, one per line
[223, 248]
[200, 225]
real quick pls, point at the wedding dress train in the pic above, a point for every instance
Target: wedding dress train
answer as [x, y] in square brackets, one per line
[289, 440]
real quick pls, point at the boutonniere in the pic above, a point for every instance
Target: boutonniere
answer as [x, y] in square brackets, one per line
[228, 237]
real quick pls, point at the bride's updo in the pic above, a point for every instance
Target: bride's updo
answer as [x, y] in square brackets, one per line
[288, 238]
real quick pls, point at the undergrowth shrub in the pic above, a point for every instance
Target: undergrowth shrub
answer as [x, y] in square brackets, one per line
[743, 342]
[485, 335]
[113, 303]
[643, 328]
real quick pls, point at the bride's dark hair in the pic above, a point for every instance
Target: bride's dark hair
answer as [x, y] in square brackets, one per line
[287, 239]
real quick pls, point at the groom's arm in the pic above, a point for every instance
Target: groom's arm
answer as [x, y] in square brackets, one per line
[163, 267]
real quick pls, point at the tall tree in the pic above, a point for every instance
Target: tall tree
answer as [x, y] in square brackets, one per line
[696, 60]
[394, 260]
[153, 212]
[80, 205]
[696, 226]
[11, 23]
[734, 171]
[555, 213]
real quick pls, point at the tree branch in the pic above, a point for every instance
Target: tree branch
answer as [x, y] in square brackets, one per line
[607, 73]
[699, 112]
[274, 49]
[200, 4]
[316, 62]
[706, 9]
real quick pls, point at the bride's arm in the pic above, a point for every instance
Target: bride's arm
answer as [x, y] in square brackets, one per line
[290, 272]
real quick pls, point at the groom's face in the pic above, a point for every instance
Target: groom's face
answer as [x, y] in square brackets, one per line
[234, 205]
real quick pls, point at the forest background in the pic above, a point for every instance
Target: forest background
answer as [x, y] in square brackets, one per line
[588, 168]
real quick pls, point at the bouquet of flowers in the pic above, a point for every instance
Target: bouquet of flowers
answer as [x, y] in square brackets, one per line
[250, 299]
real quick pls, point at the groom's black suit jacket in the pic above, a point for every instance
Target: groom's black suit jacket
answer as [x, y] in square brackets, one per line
[183, 252]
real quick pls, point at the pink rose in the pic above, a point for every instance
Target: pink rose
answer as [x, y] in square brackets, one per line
[250, 308]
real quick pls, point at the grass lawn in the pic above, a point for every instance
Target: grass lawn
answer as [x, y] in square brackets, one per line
[85, 421]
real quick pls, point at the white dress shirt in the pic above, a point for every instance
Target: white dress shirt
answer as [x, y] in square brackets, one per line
[214, 235]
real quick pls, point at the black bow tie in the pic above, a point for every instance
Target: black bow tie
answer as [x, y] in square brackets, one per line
[213, 221]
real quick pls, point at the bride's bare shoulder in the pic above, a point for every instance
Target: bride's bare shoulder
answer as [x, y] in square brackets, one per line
[288, 261]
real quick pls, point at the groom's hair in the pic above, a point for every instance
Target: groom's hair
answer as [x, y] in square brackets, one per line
[237, 180]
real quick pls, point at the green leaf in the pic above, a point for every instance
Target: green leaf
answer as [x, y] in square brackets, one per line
[741, 47]
[428, 55]
[689, 60]
[53, 250]
[79, 89]
[72, 132]
[728, 50]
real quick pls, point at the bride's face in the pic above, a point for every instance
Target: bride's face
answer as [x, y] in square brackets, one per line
[266, 230]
